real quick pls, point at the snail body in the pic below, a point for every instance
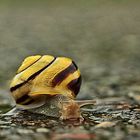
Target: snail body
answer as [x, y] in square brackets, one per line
[45, 81]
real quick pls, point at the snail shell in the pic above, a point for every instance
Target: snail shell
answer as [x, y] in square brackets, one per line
[41, 77]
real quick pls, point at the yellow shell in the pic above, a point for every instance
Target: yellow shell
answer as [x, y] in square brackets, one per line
[39, 77]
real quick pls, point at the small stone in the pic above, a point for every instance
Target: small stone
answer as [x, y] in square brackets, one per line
[130, 121]
[105, 125]
[42, 130]
[5, 127]
[3, 122]
[137, 109]
[13, 124]
[25, 131]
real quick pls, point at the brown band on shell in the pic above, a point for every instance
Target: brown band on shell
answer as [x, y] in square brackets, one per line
[74, 85]
[63, 74]
[75, 65]
[31, 77]
[17, 86]
[30, 65]
[22, 99]
[29, 102]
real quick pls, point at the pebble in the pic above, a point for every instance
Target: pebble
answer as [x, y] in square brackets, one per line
[105, 125]
[5, 126]
[3, 122]
[42, 130]
[25, 131]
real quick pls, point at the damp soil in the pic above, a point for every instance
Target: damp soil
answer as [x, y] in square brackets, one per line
[115, 117]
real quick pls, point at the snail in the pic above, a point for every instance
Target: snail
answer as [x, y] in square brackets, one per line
[47, 85]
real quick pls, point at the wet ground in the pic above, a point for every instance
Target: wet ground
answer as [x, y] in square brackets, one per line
[115, 117]
[103, 38]
[103, 121]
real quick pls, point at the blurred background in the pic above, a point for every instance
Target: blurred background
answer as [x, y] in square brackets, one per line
[101, 36]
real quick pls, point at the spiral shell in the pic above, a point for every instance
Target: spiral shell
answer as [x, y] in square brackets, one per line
[40, 77]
